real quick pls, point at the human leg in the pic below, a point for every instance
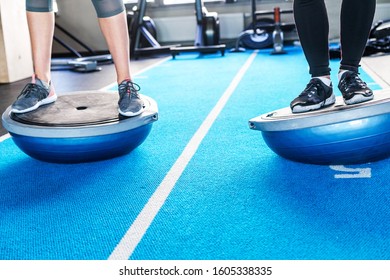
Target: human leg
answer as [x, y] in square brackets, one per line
[356, 21]
[312, 24]
[115, 32]
[40, 18]
[113, 23]
[311, 20]
[41, 28]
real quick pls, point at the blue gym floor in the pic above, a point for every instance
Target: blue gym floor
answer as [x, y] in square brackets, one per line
[203, 186]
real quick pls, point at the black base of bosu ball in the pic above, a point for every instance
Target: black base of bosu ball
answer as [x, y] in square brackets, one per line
[80, 127]
[340, 134]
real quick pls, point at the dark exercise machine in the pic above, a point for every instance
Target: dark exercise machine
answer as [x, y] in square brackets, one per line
[78, 62]
[142, 33]
[264, 32]
[378, 41]
[207, 33]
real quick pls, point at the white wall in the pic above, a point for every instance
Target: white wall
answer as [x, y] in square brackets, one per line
[15, 50]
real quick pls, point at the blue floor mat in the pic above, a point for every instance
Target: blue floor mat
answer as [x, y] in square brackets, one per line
[248, 203]
[236, 199]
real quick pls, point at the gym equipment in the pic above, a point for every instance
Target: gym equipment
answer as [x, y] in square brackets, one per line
[379, 38]
[381, 29]
[80, 63]
[277, 34]
[338, 134]
[254, 37]
[79, 127]
[264, 32]
[378, 41]
[207, 33]
[142, 32]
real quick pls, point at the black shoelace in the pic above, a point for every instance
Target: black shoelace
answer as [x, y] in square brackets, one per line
[353, 82]
[311, 88]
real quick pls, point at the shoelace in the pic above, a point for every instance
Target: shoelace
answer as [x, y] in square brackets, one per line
[33, 90]
[353, 81]
[311, 88]
[130, 88]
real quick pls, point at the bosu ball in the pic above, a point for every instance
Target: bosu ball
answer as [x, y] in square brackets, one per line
[339, 134]
[80, 127]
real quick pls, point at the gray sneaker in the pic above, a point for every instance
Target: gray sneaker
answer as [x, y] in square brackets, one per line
[130, 103]
[34, 94]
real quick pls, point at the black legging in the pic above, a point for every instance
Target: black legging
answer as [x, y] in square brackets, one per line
[312, 24]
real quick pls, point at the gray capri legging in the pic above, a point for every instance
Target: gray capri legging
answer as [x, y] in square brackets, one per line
[104, 8]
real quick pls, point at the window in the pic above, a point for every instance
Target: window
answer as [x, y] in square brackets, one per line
[135, 1]
[175, 2]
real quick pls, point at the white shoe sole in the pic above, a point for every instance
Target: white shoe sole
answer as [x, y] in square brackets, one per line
[358, 99]
[45, 101]
[131, 114]
[301, 109]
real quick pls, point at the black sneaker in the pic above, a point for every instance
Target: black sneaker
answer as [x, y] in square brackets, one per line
[130, 103]
[315, 96]
[33, 95]
[353, 89]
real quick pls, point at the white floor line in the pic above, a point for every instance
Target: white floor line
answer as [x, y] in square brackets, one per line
[4, 137]
[139, 72]
[133, 236]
